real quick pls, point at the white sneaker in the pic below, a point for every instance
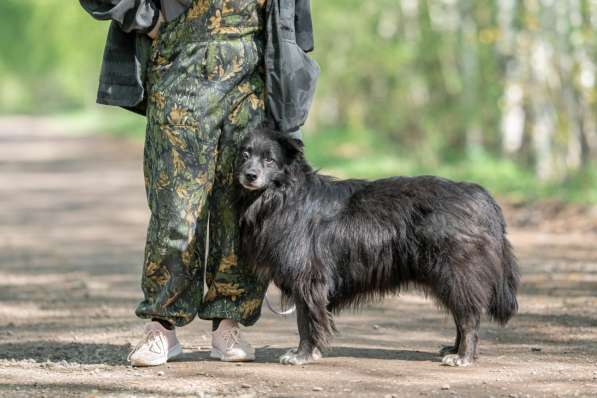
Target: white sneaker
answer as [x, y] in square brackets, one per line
[158, 346]
[228, 344]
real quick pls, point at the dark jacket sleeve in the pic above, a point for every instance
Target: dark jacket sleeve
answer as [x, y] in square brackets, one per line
[138, 16]
[303, 25]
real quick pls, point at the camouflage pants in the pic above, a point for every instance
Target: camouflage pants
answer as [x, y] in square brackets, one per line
[204, 95]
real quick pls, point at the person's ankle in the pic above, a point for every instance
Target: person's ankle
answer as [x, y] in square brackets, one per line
[166, 324]
[229, 323]
[225, 323]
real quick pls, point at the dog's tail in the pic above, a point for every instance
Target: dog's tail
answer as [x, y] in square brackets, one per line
[504, 304]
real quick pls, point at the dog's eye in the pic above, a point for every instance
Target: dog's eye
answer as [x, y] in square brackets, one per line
[245, 155]
[269, 161]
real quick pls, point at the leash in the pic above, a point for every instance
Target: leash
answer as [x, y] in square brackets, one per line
[279, 313]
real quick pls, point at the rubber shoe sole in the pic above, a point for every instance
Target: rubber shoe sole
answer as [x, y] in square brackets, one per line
[217, 354]
[172, 353]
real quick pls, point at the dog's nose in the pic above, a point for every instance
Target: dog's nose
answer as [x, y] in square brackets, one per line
[251, 176]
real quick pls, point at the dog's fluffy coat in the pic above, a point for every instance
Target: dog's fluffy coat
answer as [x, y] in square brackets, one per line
[328, 244]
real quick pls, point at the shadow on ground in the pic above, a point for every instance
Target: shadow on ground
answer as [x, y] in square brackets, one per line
[82, 353]
[271, 355]
[79, 390]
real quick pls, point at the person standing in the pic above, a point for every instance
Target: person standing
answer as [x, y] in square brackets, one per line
[201, 71]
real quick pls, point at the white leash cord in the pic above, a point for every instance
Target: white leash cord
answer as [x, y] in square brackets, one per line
[279, 313]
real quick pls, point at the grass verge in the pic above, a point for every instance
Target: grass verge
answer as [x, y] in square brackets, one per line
[362, 154]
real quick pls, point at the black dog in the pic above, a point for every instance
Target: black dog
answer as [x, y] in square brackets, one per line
[328, 244]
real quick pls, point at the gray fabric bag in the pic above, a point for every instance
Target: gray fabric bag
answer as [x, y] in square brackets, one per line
[291, 75]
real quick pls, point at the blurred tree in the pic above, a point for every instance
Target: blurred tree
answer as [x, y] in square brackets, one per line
[49, 56]
[444, 79]
[452, 78]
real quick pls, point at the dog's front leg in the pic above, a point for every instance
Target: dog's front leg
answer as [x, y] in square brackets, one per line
[307, 350]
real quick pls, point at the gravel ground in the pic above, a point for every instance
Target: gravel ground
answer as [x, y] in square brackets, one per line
[72, 225]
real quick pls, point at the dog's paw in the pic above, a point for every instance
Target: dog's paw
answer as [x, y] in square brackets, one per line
[448, 349]
[294, 357]
[456, 360]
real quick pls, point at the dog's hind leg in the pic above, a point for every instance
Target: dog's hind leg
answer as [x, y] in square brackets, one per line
[452, 349]
[468, 326]
[310, 336]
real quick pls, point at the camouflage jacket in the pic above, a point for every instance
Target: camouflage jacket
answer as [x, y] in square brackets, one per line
[290, 76]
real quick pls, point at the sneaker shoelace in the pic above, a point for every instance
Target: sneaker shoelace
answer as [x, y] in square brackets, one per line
[152, 339]
[232, 337]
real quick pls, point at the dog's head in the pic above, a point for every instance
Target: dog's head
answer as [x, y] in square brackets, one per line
[266, 157]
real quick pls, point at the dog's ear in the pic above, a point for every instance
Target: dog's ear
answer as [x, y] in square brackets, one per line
[293, 148]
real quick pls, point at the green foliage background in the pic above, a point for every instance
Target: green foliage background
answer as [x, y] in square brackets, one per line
[50, 53]
[404, 88]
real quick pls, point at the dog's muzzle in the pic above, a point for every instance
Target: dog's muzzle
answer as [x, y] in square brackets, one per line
[250, 181]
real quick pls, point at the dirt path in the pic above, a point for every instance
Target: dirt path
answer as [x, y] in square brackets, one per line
[72, 225]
